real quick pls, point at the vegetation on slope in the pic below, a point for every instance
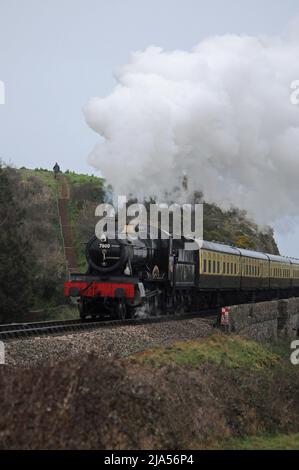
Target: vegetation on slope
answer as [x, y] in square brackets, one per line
[235, 228]
[16, 267]
[33, 261]
[232, 352]
[245, 401]
[274, 442]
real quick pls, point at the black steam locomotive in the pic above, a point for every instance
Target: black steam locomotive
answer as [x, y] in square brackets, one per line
[142, 275]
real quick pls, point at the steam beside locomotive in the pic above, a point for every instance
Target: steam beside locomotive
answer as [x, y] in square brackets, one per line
[127, 277]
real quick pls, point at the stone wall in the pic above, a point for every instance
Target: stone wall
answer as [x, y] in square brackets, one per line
[266, 320]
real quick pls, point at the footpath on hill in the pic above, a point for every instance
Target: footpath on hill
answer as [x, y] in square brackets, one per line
[66, 228]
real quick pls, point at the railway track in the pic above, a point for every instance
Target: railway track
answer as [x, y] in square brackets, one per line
[26, 330]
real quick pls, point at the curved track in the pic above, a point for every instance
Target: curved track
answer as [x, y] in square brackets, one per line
[23, 330]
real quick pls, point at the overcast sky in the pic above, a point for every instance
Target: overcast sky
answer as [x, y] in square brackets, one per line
[56, 54]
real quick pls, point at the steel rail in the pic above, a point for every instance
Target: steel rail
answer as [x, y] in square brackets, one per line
[27, 330]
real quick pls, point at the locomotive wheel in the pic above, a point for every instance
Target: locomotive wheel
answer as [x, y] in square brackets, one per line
[121, 310]
[82, 310]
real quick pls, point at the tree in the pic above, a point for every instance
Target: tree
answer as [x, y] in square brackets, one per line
[16, 269]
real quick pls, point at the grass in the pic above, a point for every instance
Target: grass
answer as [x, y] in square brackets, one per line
[46, 313]
[64, 312]
[79, 179]
[230, 351]
[79, 245]
[46, 176]
[277, 442]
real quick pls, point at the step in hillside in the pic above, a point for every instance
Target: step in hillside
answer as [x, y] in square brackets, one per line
[66, 228]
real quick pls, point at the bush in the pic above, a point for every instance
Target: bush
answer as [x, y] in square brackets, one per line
[16, 261]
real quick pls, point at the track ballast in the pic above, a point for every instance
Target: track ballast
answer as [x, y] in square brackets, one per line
[26, 330]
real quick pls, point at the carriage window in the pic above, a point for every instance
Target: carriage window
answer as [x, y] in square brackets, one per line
[210, 265]
[204, 265]
[223, 268]
[218, 267]
[214, 266]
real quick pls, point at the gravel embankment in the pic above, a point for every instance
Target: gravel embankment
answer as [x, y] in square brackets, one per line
[106, 342]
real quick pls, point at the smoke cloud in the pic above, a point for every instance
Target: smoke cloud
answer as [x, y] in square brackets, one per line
[221, 114]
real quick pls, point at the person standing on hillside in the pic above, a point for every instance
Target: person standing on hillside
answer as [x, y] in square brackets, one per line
[56, 169]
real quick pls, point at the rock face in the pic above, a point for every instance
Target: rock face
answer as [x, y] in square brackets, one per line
[235, 227]
[266, 320]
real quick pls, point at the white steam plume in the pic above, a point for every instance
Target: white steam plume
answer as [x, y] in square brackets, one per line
[221, 113]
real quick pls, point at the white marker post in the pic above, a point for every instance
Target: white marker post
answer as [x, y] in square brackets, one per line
[2, 353]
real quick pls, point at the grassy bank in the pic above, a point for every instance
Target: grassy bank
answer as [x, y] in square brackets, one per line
[220, 392]
[279, 442]
[264, 370]
[228, 351]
